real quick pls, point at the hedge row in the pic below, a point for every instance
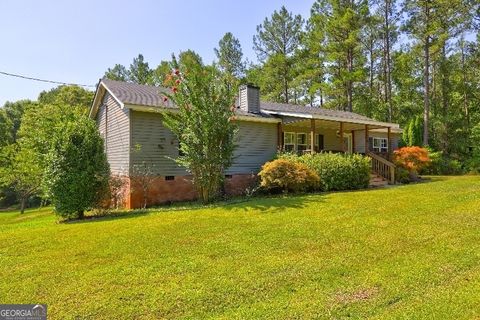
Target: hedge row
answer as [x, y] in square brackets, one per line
[334, 171]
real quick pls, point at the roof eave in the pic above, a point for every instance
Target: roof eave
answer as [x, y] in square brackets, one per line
[98, 97]
[164, 110]
[330, 118]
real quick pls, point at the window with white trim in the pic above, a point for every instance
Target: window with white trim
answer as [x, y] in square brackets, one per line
[302, 142]
[379, 144]
[289, 141]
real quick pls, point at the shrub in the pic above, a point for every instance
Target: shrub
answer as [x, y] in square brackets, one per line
[77, 172]
[339, 171]
[473, 164]
[441, 165]
[287, 176]
[412, 159]
[402, 175]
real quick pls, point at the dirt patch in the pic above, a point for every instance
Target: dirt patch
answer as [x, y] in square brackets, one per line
[359, 295]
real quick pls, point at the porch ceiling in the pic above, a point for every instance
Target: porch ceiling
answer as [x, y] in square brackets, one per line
[347, 126]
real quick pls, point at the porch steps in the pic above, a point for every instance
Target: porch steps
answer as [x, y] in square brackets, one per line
[377, 181]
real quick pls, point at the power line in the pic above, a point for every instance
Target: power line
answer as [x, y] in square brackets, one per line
[44, 80]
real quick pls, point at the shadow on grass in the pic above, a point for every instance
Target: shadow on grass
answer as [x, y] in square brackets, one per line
[261, 203]
[277, 203]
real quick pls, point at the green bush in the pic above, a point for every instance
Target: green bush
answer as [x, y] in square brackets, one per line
[337, 171]
[287, 176]
[441, 165]
[77, 173]
[473, 164]
[402, 175]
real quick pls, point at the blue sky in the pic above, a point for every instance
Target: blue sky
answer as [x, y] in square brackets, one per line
[76, 41]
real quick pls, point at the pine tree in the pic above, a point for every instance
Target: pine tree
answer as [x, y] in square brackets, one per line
[343, 21]
[275, 43]
[310, 64]
[139, 71]
[230, 56]
[118, 72]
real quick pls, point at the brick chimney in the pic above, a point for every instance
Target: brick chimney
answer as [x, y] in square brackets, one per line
[249, 98]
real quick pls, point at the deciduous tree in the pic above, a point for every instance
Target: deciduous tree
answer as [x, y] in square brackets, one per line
[203, 124]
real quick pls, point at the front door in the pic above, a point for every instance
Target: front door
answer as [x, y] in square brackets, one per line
[347, 140]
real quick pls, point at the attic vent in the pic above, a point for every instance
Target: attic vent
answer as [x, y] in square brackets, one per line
[249, 98]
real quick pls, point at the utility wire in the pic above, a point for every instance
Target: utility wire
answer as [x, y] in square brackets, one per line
[43, 80]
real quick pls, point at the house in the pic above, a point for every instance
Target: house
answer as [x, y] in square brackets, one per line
[129, 118]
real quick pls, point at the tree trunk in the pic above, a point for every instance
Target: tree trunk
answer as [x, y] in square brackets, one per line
[285, 88]
[349, 82]
[321, 99]
[23, 200]
[145, 194]
[388, 77]
[464, 87]
[443, 70]
[81, 214]
[426, 80]
[370, 84]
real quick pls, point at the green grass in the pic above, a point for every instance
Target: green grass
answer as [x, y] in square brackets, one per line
[408, 252]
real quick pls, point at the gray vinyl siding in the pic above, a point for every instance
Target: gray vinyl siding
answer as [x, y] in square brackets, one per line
[156, 145]
[360, 139]
[101, 121]
[113, 124]
[153, 144]
[256, 144]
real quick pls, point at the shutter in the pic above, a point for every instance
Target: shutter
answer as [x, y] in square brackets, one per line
[370, 143]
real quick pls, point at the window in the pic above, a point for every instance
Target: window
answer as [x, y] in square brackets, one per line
[302, 142]
[169, 178]
[289, 141]
[379, 144]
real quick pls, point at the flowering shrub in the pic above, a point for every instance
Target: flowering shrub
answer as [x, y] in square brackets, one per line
[287, 175]
[412, 158]
[204, 124]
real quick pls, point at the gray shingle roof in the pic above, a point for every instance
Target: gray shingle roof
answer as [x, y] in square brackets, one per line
[283, 107]
[151, 96]
[136, 94]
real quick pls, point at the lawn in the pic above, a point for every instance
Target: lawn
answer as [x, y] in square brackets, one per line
[401, 252]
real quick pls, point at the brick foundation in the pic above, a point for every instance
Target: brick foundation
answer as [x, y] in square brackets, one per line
[161, 191]
[238, 184]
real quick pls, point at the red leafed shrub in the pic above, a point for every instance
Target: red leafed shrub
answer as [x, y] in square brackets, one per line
[412, 158]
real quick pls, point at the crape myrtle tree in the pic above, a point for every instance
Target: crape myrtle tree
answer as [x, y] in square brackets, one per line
[203, 124]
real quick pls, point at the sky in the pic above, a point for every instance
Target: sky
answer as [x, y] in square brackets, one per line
[76, 41]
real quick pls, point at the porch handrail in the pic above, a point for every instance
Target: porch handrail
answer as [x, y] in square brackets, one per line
[383, 167]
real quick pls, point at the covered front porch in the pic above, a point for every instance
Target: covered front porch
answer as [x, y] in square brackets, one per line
[299, 135]
[317, 135]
